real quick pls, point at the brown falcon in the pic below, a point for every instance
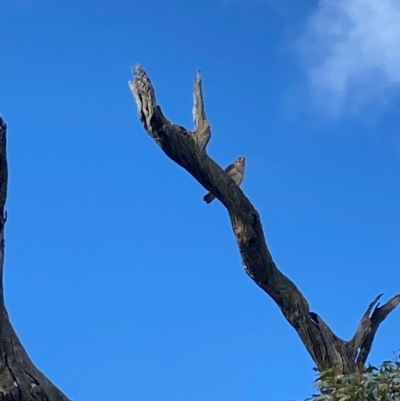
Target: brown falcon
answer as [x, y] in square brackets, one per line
[235, 171]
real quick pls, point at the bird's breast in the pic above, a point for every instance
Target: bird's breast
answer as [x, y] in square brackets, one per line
[237, 176]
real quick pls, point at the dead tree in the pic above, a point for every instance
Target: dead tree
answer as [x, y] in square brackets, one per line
[20, 380]
[188, 149]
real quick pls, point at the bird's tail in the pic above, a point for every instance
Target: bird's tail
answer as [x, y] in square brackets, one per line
[209, 198]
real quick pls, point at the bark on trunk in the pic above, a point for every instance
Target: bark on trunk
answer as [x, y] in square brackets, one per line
[188, 149]
[20, 380]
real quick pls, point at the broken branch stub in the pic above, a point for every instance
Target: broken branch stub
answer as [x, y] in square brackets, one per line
[364, 327]
[188, 149]
[201, 124]
[379, 314]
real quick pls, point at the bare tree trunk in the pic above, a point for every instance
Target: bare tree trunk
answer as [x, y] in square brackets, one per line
[188, 149]
[20, 380]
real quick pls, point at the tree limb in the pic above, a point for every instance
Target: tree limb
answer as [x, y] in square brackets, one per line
[20, 380]
[203, 129]
[369, 326]
[364, 326]
[186, 149]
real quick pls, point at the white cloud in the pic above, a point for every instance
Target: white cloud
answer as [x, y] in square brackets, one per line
[351, 50]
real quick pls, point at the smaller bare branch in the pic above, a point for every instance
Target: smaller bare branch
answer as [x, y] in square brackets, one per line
[143, 90]
[202, 126]
[364, 326]
[377, 317]
[381, 313]
[199, 112]
[152, 117]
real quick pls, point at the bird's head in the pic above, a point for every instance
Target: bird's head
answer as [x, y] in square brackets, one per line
[241, 160]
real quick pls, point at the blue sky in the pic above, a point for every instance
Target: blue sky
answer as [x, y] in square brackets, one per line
[120, 281]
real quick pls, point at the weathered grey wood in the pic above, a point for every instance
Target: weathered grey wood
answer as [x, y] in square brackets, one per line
[20, 380]
[369, 326]
[188, 149]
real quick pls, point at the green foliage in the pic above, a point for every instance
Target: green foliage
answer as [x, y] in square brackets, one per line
[373, 384]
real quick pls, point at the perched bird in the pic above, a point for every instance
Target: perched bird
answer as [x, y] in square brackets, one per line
[235, 171]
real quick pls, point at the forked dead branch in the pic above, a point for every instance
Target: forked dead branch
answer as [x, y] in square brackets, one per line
[188, 149]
